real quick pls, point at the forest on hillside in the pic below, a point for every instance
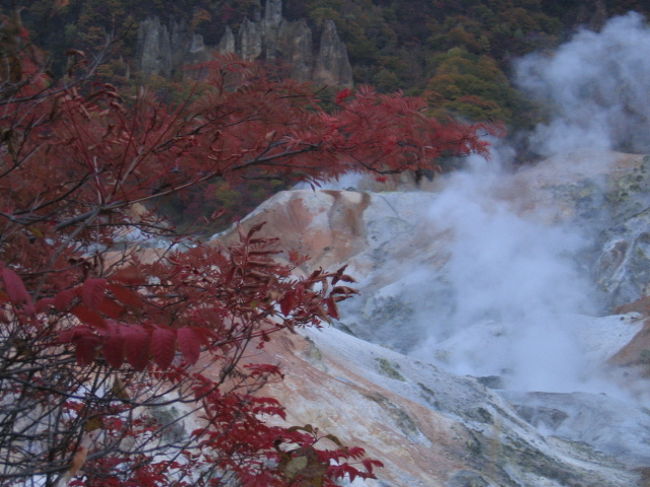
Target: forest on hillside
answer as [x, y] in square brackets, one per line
[456, 53]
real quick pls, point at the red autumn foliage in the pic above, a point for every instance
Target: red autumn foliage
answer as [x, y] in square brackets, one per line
[104, 354]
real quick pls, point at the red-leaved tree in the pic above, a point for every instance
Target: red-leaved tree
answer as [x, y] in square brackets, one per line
[126, 367]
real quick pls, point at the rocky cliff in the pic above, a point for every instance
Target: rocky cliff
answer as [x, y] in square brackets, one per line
[163, 49]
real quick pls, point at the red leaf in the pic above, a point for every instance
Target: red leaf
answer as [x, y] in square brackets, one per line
[65, 336]
[368, 463]
[136, 346]
[163, 342]
[254, 229]
[332, 309]
[344, 290]
[287, 303]
[88, 316]
[92, 292]
[84, 340]
[111, 309]
[353, 474]
[15, 287]
[356, 452]
[126, 295]
[189, 343]
[128, 275]
[113, 347]
[342, 95]
[340, 276]
[86, 348]
[63, 299]
[204, 334]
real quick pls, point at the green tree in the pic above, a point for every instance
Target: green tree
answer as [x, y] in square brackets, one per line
[471, 86]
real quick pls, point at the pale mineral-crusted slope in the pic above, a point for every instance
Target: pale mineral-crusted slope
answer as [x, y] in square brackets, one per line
[430, 428]
[433, 428]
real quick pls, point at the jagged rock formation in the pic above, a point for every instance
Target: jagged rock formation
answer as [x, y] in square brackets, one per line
[163, 50]
[273, 38]
[154, 52]
[331, 64]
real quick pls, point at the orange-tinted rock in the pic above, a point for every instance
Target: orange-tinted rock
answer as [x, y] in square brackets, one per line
[637, 352]
[429, 428]
[327, 226]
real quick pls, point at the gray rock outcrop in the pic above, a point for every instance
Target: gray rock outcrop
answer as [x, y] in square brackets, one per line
[295, 46]
[273, 13]
[611, 426]
[623, 268]
[250, 40]
[332, 63]
[154, 52]
[227, 43]
[608, 195]
[163, 49]
[275, 39]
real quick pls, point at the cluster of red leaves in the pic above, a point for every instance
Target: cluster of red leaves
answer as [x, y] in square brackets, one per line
[95, 339]
[204, 302]
[203, 298]
[392, 133]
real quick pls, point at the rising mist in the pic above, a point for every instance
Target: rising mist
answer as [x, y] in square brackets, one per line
[524, 304]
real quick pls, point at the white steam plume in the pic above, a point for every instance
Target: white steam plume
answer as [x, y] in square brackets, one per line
[518, 292]
[597, 87]
[521, 303]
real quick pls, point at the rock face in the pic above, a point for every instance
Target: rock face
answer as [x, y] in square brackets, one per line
[273, 38]
[154, 51]
[636, 354]
[163, 50]
[611, 197]
[611, 426]
[435, 428]
[333, 226]
[332, 62]
[431, 428]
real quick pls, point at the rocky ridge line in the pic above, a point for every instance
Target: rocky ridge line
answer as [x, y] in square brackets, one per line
[163, 50]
